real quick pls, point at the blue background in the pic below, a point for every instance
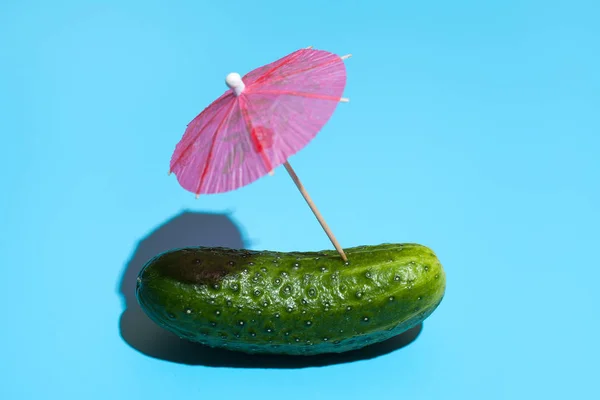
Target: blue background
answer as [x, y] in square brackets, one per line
[473, 128]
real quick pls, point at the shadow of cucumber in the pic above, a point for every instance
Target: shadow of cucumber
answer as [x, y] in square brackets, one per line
[206, 229]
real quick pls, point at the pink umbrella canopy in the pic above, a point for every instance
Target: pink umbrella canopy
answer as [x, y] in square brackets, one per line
[264, 118]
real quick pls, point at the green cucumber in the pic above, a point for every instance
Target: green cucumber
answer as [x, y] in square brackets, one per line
[298, 303]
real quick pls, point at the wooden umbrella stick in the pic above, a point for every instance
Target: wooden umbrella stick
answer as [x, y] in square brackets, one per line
[312, 206]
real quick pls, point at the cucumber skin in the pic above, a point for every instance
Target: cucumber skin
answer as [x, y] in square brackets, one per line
[296, 303]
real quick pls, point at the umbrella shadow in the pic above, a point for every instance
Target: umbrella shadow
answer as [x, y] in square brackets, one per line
[207, 229]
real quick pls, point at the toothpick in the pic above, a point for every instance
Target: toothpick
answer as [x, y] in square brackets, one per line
[315, 211]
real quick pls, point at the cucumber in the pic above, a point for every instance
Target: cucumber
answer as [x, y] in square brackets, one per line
[296, 303]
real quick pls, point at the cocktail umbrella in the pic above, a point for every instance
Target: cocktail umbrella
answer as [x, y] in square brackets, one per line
[263, 119]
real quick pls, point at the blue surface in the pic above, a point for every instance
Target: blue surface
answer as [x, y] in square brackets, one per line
[472, 128]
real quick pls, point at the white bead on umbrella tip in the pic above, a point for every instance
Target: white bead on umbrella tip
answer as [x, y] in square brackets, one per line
[234, 81]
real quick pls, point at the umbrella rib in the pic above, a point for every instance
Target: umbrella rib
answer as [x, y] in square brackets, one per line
[263, 156]
[275, 68]
[187, 148]
[279, 78]
[212, 146]
[301, 94]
